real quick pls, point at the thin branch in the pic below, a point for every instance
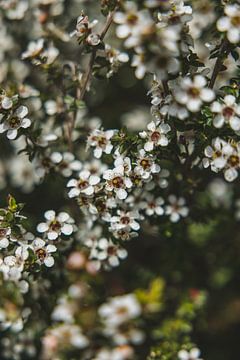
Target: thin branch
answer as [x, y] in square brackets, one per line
[80, 92]
[223, 51]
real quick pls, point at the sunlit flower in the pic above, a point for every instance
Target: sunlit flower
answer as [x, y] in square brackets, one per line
[56, 224]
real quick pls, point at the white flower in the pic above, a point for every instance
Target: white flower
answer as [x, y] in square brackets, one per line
[106, 251]
[146, 165]
[125, 220]
[155, 136]
[230, 23]
[193, 354]
[117, 181]
[83, 185]
[153, 205]
[226, 112]
[176, 208]
[56, 224]
[120, 309]
[101, 140]
[44, 252]
[6, 102]
[192, 93]
[15, 121]
[132, 24]
[69, 334]
[66, 163]
[15, 10]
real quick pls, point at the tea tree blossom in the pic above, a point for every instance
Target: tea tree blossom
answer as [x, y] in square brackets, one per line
[120, 309]
[4, 237]
[230, 23]
[15, 121]
[155, 136]
[101, 141]
[146, 165]
[107, 252]
[56, 225]
[193, 93]
[83, 185]
[176, 208]
[44, 252]
[226, 112]
[65, 163]
[117, 181]
[152, 205]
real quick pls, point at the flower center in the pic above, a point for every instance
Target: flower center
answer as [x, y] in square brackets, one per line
[83, 184]
[3, 233]
[193, 92]
[41, 254]
[236, 21]
[14, 122]
[125, 220]
[155, 136]
[228, 112]
[117, 182]
[132, 19]
[145, 163]
[233, 160]
[55, 226]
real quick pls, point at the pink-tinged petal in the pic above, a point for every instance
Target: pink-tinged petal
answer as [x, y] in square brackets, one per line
[52, 235]
[67, 229]
[12, 134]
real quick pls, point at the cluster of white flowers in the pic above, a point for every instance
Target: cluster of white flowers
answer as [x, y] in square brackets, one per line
[193, 354]
[230, 23]
[223, 156]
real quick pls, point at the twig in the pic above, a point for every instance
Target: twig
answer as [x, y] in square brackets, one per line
[219, 62]
[80, 92]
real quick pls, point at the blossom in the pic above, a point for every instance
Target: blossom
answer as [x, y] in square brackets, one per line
[125, 220]
[224, 156]
[226, 112]
[146, 165]
[193, 354]
[155, 136]
[101, 141]
[176, 208]
[65, 163]
[230, 23]
[120, 309]
[106, 251]
[193, 93]
[132, 24]
[83, 185]
[15, 121]
[152, 205]
[56, 224]
[117, 181]
[44, 252]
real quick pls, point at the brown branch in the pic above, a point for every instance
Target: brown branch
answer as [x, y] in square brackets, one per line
[80, 92]
[223, 51]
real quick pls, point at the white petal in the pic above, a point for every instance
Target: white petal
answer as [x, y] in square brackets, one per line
[42, 227]
[50, 215]
[235, 123]
[207, 95]
[12, 134]
[21, 111]
[233, 35]
[121, 194]
[52, 235]
[67, 229]
[49, 261]
[25, 123]
[63, 216]
[223, 24]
